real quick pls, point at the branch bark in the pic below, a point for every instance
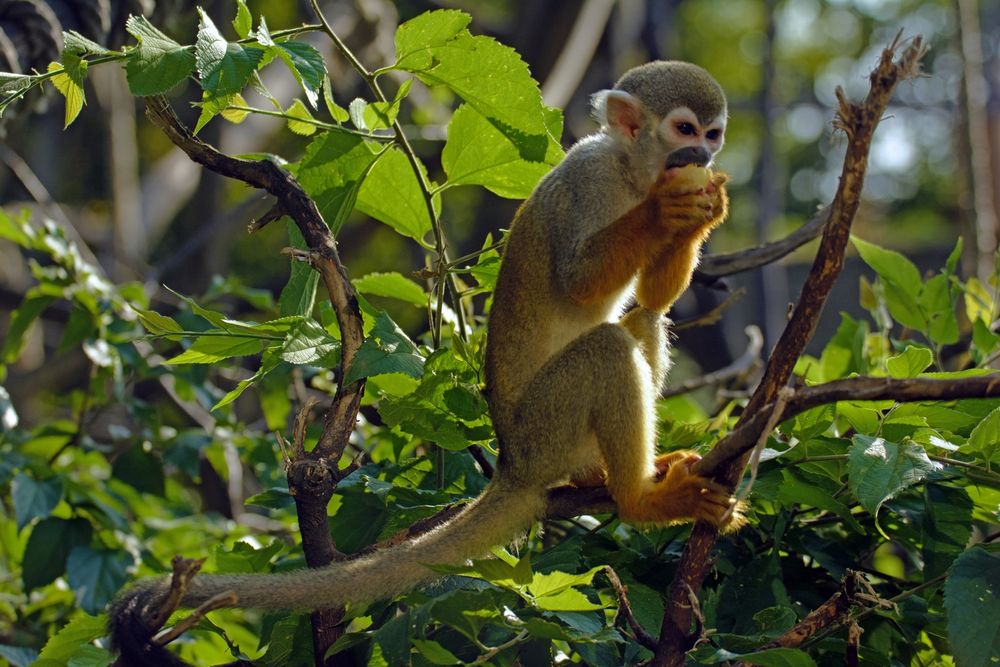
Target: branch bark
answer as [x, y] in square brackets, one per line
[858, 121]
[313, 475]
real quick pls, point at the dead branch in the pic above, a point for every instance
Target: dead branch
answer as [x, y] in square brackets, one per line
[858, 121]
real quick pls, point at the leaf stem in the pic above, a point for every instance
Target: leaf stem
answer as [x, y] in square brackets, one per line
[445, 280]
[333, 127]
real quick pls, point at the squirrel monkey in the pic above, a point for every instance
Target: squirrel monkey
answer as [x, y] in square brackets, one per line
[571, 384]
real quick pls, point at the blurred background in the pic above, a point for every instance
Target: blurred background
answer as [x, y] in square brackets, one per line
[145, 213]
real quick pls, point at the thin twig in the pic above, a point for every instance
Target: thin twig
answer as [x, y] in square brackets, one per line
[741, 367]
[625, 609]
[220, 601]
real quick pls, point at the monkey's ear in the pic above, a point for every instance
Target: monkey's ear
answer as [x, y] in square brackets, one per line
[619, 112]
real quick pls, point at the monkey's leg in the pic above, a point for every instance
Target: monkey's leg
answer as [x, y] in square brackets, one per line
[649, 328]
[610, 384]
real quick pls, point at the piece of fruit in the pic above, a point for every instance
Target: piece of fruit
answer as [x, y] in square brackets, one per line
[693, 175]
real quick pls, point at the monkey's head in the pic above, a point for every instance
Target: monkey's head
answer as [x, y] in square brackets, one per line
[676, 104]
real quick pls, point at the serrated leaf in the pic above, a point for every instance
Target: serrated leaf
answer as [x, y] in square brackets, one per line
[306, 64]
[65, 643]
[477, 153]
[158, 324]
[386, 350]
[299, 110]
[556, 582]
[772, 657]
[79, 45]
[879, 469]
[392, 285]
[91, 656]
[69, 83]
[235, 116]
[985, 437]
[243, 23]
[440, 51]
[224, 67]
[214, 346]
[157, 63]
[972, 599]
[308, 343]
[331, 172]
[95, 575]
[978, 301]
[34, 499]
[567, 600]
[48, 546]
[18, 656]
[910, 363]
[392, 194]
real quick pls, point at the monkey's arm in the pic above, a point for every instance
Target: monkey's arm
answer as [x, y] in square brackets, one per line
[668, 272]
[606, 261]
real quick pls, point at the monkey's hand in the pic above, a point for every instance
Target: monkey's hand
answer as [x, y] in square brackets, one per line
[680, 495]
[686, 203]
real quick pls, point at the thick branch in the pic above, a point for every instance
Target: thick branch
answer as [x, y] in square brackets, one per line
[858, 122]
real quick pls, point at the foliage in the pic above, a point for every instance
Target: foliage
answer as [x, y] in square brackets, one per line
[894, 490]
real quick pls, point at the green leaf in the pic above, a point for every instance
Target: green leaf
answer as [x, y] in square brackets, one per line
[245, 558]
[879, 469]
[215, 345]
[224, 67]
[65, 643]
[440, 51]
[20, 323]
[567, 600]
[274, 498]
[434, 652]
[910, 363]
[48, 547]
[392, 194]
[69, 83]
[392, 285]
[157, 324]
[978, 301]
[356, 112]
[18, 656]
[231, 114]
[796, 491]
[972, 599]
[140, 469]
[308, 343]
[91, 656]
[95, 575]
[985, 437]
[937, 305]
[299, 293]
[331, 172]
[557, 582]
[477, 153]
[772, 657]
[947, 524]
[306, 64]
[243, 23]
[337, 112]
[890, 265]
[299, 110]
[157, 63]
[33, 499]
[386, 350]
[79, 45]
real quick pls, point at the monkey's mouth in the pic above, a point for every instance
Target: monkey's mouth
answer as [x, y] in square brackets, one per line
[695, 155]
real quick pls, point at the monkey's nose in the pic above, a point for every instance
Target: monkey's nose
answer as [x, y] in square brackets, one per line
[697, 155]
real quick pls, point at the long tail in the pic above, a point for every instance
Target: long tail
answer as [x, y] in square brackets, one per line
[498, 516]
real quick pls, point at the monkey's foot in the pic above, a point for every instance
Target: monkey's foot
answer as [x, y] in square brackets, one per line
[678, 495]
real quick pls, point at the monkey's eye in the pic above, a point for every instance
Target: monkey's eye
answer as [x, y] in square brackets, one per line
[713, 135]
[686, 129]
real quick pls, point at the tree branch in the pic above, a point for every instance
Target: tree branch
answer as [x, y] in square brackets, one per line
[858, 121]
[313, 475]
